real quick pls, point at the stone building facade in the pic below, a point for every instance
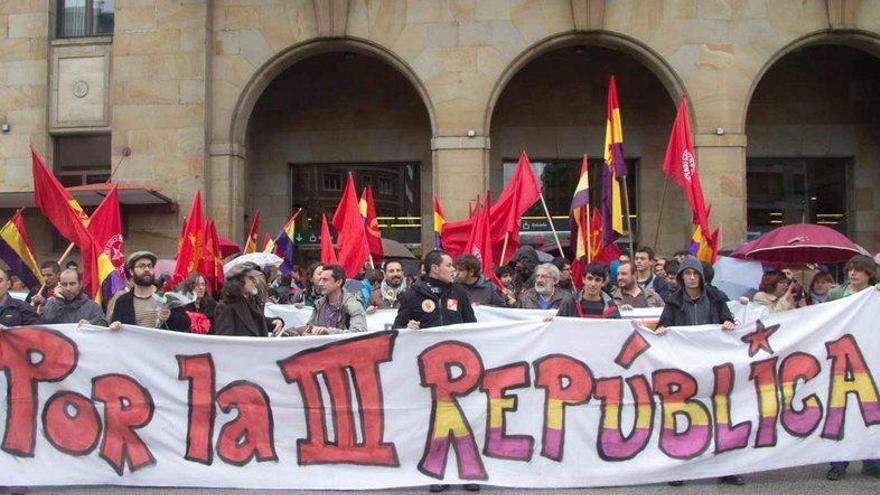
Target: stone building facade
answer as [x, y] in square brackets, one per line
[229, 96]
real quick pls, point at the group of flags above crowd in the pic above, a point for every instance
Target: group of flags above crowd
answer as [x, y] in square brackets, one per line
[491, 231]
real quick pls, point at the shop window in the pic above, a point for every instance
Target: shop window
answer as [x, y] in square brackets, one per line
[78, 18]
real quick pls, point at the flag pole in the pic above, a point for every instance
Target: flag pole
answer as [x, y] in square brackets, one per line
[628, 220]
[552, 227]
[589, 237]
[504, 247]
[660, 211]
[60, 260]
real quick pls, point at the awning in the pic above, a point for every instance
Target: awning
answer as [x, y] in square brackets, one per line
[130, 195]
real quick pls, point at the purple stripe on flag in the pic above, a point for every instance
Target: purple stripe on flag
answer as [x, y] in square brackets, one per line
[17, 265]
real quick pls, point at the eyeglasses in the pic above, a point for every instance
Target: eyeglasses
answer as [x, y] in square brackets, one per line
[144, 266]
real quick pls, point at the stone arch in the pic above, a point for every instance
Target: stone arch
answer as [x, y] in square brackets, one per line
[285, 59]
[861, 40]
[652, 60]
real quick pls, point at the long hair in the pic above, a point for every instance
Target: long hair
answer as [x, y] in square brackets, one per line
[189, 286]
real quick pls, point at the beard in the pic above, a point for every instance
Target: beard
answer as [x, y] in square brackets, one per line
[394, 282]
[543, 289]
[143, 280]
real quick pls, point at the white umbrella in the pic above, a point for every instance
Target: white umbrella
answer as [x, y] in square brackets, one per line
[260, 259]
[737, 277]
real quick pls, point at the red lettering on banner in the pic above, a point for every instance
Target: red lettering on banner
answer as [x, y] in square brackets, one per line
[849, 375]
[764, 376]
[29, 356]
[567, 382]
[677, 390]
[449, 426]
[796, 367]
[127, 407]
[612, 444]
[71, 423]
[496, 382]
[361, 357]
[199, 371]
[727, 435]
[252, 433]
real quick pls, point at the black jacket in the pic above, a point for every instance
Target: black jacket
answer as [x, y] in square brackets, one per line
[14, 313]
[241, 317]
[207, 308]
[433, 303]
[484, 292]
[123, 312]
[674, 313]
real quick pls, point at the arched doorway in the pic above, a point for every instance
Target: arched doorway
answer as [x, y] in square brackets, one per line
[813, 154]
[555, 107]
[333, 113]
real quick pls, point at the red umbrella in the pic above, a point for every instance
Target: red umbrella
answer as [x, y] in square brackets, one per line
[799, 244]
[228, 247]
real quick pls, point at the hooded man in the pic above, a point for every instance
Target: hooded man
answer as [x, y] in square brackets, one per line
[480, 290]
[70, 304]
[525, 260]
[696, 302]
[140, 305]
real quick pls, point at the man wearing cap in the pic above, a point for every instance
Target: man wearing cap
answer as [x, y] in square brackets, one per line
[138, 306]
[70, 304]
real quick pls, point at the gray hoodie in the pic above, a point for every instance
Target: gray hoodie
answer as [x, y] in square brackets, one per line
[60, 310]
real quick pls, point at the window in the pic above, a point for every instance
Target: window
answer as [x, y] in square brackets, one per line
[332, 182]
[82, 159]
[385, 186]
[77, 18]
[782, 191]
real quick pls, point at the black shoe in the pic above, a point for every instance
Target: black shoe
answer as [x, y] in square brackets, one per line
[733, 479]
[438, 488]
[675, 483]
[836, 474]
[471, 487]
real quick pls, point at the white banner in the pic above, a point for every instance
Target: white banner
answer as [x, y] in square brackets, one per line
[566, 403]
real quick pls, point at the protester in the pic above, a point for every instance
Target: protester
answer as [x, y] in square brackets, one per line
[71, 304]
[390, 289]
[671, 275]
[628, 294]
[697, 303]
[37, 296]
[819, 287]
[141, 305]
[480, 290]
[309, 294]
[660, 267]
[203, 304]
[281, 288]
[434, 299]
[544, 295]
[240, 311]
[624, 256]
[16, 285]
[679, 256]
[371, 283]
[565, 282]
[505, 275]
[525, 260]
[591, 302]
[860, 270]
[777, 293]
[337, 311]
[645, 275]
[72, 265]
[14, 312]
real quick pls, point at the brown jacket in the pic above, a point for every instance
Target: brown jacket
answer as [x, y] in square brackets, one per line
[241, 318]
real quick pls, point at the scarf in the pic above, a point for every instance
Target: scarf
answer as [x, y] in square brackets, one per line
[390, 293]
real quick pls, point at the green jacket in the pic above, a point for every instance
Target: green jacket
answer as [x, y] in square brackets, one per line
[353, 319]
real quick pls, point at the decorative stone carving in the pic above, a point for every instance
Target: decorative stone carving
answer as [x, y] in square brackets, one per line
[80, 89]
[588, 14]
[81, 95]
[331, 17]
[842, 13]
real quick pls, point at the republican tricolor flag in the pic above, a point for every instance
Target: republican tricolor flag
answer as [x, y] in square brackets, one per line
[285, 244]
[16, 251]
[439, 220]
[615, 170]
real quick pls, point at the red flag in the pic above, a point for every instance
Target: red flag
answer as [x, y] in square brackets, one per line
[350, 235]
[367, 209]
[601, 254]
[189, 254]
[328, 254]
[212, 259]
[480, 241]
[681, 166]
[250, 242]
[67, 216]
[105, 226]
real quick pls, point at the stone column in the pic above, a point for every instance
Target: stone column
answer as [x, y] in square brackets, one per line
[226, 182]
[460, 172]
[722, 166]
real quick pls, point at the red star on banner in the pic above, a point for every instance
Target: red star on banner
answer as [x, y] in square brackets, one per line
[760, 338]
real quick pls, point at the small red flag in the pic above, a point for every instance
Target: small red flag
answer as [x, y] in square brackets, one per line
[189, 254]
[250, 242]
[480, 241]
[212, 259]
[367, 210]
[328, 254]
[681, 166]
[350, 235]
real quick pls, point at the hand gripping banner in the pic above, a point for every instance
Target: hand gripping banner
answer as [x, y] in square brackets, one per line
[564, 403]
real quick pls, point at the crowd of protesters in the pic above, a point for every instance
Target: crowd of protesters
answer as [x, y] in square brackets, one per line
[443, 293]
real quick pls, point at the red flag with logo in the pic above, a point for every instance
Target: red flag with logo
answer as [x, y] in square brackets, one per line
[681, 166]
[350, 234]
[192, 240]
[367, 210]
